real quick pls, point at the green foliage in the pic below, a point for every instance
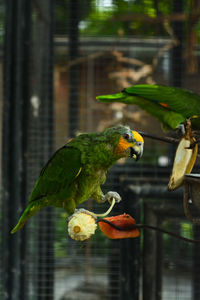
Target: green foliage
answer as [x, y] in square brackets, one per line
[186, 230]
[97, 24]
[61, 235]
[119, 18]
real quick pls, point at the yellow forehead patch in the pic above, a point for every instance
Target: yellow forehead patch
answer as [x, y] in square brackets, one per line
[137, 137]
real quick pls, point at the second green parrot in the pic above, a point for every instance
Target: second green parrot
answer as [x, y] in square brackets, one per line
[170, 105]
[76, 171]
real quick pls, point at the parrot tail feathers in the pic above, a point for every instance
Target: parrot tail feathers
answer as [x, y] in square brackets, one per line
[32, 208]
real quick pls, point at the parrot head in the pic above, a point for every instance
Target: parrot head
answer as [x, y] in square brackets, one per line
[129, 142]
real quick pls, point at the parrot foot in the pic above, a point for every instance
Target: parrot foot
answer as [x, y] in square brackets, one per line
[110, 195]
[85, 211]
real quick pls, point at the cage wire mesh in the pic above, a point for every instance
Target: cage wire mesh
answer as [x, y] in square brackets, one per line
[75, 54]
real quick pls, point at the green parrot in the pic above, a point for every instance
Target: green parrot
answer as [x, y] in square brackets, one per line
[76, 171]
[170, 105]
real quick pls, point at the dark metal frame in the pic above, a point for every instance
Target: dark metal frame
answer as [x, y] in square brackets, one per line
[16, 108]
[16, 95]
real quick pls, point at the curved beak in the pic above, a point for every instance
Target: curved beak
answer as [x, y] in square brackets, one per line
[136, 151]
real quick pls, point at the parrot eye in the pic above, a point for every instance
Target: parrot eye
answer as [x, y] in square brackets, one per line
[127, 136]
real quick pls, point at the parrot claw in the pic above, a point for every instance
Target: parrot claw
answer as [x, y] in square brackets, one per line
[110, 195]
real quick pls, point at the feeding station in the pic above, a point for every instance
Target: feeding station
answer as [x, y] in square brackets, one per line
[191, 184]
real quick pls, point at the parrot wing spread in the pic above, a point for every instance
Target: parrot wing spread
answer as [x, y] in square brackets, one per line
[169, 118]
[180, 100]
[59, 172]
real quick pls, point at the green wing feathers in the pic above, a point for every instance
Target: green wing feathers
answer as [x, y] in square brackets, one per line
[171, 106]
[54, 182]
[179, 100]
[167, 117]
[59, 172]
[120, 97]
[30, 210]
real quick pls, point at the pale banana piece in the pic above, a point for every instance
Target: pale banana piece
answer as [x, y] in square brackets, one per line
[81, 225]
[193, 159]
[183, 162]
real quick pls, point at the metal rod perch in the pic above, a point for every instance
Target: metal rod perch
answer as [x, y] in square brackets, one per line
[165, 139]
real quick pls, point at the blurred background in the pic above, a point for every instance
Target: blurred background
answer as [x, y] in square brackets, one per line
[56, 56]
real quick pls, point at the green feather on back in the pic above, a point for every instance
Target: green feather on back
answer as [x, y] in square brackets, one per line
[58, 173]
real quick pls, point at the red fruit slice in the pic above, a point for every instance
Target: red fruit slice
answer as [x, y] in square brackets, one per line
[124, 222]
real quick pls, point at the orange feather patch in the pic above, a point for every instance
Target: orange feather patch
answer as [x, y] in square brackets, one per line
[164, 105]
[123, 145]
